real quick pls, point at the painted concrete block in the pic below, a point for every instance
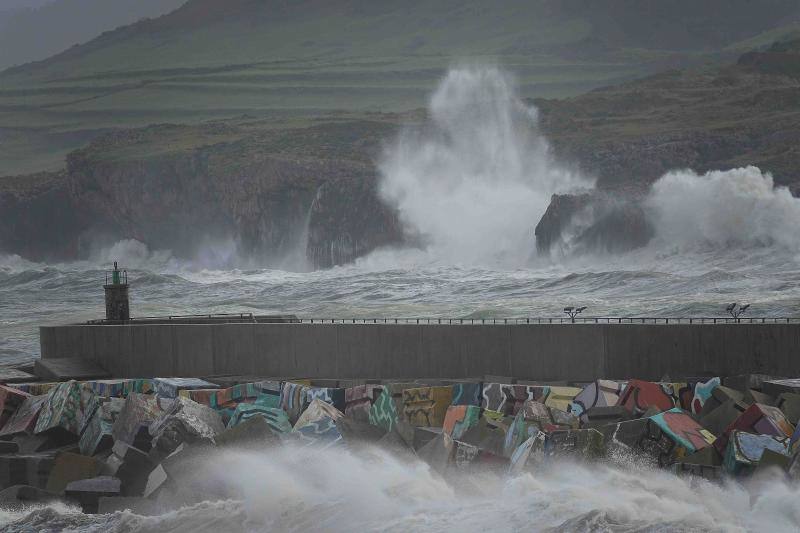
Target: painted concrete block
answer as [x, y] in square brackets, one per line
[744, 450]
[426, 406]
[459, 418]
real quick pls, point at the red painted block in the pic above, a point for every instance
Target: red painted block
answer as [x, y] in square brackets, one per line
[758, 419]
[639, 395]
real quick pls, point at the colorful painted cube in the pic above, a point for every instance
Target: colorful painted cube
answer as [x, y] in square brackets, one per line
[317, 424]
[599, 393]
[383, 412]
[64, 408]
[359, 399]
[276, 417]
[696, 394]
[744, 450]
[139, 386]
[426, 406]
[535, 411]
[467, 394]
[561, 397]
[139, 410]
[510, 399]
[334, 397]
[170, 387]
[639, 395]
[10, 400]
[459, 418]
[490, 432]
[24, 420]
[757, 419]
[97, 431]
[687, 435]
[293, 397]
[108, 388]
[36, 388]
[520, 430]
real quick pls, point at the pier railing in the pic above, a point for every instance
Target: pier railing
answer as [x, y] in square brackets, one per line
[266, 319]
[556, 320]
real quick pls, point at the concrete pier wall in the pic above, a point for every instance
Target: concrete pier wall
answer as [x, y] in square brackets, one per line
[535, 351]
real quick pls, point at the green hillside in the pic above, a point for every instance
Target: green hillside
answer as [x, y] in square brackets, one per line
[212, 59]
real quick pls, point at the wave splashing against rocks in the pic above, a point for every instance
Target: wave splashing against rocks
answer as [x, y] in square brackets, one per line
[305, 490]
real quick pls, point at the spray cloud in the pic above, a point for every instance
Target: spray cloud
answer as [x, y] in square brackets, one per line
[722, 209]
[474, 181]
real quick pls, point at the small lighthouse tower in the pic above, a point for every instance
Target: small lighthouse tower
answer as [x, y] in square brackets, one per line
[117, 304]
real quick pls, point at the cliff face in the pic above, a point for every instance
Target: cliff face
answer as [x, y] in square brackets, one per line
[704, 119]
[40, 219]
[272, 187]
[252, 188]
[629, 135]
[348, 220]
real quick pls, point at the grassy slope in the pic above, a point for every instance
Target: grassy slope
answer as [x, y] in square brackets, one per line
[213, 59]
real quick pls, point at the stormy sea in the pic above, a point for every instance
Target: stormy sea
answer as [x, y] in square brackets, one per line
[470, 187]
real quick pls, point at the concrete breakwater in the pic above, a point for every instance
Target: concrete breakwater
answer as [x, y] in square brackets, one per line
[147, 444]
[535, 351]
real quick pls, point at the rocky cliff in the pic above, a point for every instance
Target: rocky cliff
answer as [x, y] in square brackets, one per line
[272, 187]
[631, 134]
[348, 220]
[186, 188]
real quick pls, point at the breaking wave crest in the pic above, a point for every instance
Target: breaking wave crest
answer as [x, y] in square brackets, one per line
[474, 181]
[336, 490]
[723, 209]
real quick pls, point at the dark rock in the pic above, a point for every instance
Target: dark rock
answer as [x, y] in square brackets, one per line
[745, 382]
[423, 435]
[775, 387]
[596, 417]
[70, 467]
[626, 434]
[574, 444]
[355, 432]
[253, 433]
[9, 447]
[348, 220]
[25, 469]
[131, 467]
[64, 369]
[87, 492]
[721, 395]
[717, 420]
[438, 452]
[593, 221]
[754, 396]
[19, 496]
[789, 403]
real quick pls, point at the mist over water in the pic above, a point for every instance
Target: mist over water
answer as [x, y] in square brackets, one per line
[474, 181]
[723, 209]
[340, 491]
[471, 184]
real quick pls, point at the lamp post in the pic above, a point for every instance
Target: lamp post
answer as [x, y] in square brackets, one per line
[737, 310]
[574, 311]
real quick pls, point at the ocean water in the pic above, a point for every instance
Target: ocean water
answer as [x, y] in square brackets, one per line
[393, 284]
[336, 490]
[470, 187]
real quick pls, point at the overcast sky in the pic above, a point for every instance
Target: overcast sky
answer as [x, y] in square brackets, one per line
[30, 35]
[11, 4]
